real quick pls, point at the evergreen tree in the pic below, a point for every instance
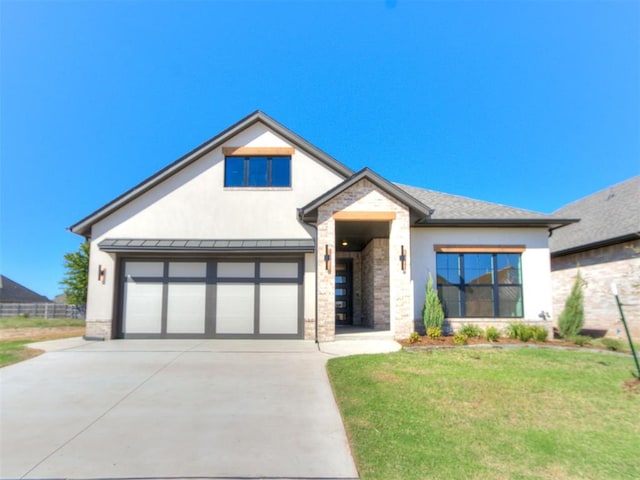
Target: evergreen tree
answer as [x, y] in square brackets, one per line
[432, 313]
[76, 276]
[571, 319]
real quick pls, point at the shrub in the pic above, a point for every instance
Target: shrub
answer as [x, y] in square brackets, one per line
[524, 333]
[612, 344]
[571, 319]
[471, 331]
[432, 312]
[492, 334]
[24, 315]
[414, 337]
[513, 330]
[580, 340]
[540, 334]
[460, 339]
[434, 332]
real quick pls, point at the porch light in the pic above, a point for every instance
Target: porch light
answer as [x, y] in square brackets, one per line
[403, 259]
[327, 258]
[344, 243]
[102, 273]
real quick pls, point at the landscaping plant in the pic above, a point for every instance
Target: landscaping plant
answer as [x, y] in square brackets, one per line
[492, 334]
[434, 332]
[432, 313]
[571, 320]
[471, 331]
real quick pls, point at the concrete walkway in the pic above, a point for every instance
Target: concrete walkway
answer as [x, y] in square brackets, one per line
[174, 409]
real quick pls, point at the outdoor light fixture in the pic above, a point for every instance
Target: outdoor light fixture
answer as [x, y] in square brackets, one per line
[327, 258]
[102, 273]
[403, 259]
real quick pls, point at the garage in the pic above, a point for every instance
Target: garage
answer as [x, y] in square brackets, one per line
[211, 298]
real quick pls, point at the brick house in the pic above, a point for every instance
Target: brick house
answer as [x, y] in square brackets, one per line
[605, 247]
[258, 234]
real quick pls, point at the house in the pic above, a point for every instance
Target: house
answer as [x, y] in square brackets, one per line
[13, 292]
[605, 247]
[258, 234]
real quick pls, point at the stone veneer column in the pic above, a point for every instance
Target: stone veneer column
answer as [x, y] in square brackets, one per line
[326, 280]
[401, 305]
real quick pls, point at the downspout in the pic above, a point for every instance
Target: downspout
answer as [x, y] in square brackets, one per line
[315, 227]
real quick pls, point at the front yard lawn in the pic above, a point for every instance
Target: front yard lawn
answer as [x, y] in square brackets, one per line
[16, 333]
[490, 414]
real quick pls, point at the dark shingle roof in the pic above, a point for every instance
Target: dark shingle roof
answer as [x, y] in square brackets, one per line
[13, 292]
[606, 217]
[450, 209]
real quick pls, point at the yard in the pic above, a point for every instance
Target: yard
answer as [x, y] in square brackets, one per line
[490, 414]
[17, 333]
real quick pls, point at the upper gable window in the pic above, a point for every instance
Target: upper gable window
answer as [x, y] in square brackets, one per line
[257, 171]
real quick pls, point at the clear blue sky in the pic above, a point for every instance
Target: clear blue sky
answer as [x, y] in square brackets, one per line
[529, 104]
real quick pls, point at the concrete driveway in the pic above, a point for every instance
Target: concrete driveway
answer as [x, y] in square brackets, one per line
[173, 409]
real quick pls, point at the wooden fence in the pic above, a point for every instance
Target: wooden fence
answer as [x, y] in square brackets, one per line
[40, 310]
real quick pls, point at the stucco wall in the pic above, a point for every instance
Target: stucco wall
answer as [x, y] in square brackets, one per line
[193, 203]
[599, 268]
[536, 277]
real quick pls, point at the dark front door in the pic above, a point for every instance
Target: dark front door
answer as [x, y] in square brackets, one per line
[344, 310]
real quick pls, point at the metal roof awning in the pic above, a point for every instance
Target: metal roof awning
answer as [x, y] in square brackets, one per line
[159, 245]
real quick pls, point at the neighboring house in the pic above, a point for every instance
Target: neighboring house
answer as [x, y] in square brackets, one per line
[258, 234]
[605, 247]
[13, 292]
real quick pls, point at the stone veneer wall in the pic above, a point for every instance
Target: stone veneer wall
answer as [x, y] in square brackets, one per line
[365, 197]
[599, 268]
[375, 291]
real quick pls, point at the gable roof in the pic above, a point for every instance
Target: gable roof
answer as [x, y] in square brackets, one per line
[83, 227]
[606, 217]
[417, 209]
[13, 292]
[450, 210]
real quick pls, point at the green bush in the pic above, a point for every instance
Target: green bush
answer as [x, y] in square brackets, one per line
[492, 334]
[414, 337]
[524, 333]
[460, 339]
[434, 332]
[432, 312]
[540, 334]
[580, 340]
[571, 320]
[471, 331]
[612, 344]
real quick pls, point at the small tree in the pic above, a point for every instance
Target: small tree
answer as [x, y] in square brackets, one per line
[571, 320]
[432, 313]
[76, 276]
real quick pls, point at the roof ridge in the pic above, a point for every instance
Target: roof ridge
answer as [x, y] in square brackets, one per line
[602, 190]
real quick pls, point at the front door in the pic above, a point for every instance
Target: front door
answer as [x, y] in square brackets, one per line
[344, 315]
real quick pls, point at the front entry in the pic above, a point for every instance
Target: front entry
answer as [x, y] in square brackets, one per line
[344, 286]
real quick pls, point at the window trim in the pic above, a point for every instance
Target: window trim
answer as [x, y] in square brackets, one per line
[495, 284]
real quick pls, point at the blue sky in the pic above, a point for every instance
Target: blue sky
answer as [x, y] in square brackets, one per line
[529, 104]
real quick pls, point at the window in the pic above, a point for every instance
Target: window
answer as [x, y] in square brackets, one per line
[257, 171]
[480, 284]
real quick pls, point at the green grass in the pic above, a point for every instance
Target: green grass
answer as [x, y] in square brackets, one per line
[490, 414]
[19, 322]
[14, 351]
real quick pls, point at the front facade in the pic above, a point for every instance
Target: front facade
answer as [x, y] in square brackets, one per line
[259, 234]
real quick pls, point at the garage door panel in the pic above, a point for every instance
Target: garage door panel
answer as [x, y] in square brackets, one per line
[143, 307]
[235, 308]
[186, 307]
[279, 309]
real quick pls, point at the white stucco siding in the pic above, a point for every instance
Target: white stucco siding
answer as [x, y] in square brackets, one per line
[99, 294]
[193, 203]
[536, 270]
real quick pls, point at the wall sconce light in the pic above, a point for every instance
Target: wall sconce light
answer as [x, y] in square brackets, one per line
[102, 273]
[403, 259]
[327, 258]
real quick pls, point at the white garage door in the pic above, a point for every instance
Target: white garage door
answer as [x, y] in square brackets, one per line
[212, 298]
